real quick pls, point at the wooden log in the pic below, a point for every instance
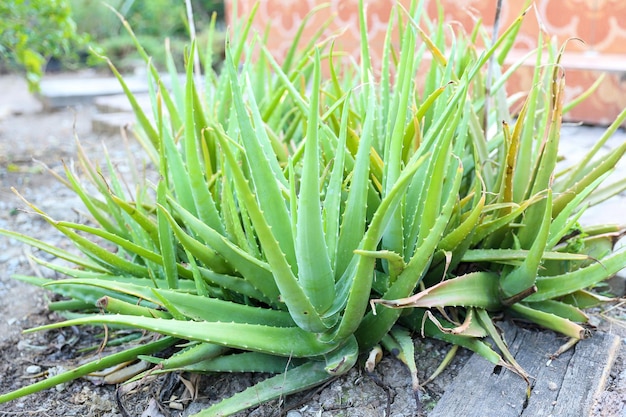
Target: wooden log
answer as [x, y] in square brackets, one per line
[566, 386]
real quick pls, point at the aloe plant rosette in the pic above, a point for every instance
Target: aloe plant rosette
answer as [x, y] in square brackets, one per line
[287, 201]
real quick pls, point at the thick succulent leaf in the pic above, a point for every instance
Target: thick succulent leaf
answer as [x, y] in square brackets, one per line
[523, 277]
[477, 289]
[550, 321]
[395, 262]
[240, 362]
[174, 173]
[332, 200]
[599, 169]
[153, 72]
[113, 261]
[578, 171]
[556, 286]
[353, 222]
[525, 157]
[254, 270]
[194, 307]
[140, 217]
[392, 240]
[117, 306]
[203, 200]
[85, 293]
[444, 169]
[567, 218]
[455, 238]
[265, 175]
[315, 273]
[507, 255]
[203, 252]
[512, 143]
[373, 327]
[56, 252]
[414, 319]
[359, 281]
[96, 207]
[490, 225]
[342, 359]
[210, 309]
[141, 116]
[299, 305]
[166, 241]
[128, 245]
[294, 380]
[407, 355]
[585, 299]
[558, 308]
[188, 355]
[487, 323]
[281, 341]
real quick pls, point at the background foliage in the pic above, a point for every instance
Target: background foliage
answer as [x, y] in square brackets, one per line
[39, 35]
[152, 20]
[32, 32]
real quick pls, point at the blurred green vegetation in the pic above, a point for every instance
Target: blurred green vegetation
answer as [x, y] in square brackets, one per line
[34, 31]
[152, 20]
[39, 35]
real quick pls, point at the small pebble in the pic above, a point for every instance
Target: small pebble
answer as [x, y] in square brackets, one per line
[294, 413]
[552, 386]
[33, 369]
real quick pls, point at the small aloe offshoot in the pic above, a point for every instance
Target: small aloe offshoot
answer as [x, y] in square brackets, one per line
[281, 211]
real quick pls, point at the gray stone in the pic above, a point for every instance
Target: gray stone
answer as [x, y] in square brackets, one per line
[111, 123]
[64, 92]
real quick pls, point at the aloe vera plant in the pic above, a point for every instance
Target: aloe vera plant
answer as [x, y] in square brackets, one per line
[288, 202]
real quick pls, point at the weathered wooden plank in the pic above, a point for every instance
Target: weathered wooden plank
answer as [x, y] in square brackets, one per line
[566, 386]
[587, 375]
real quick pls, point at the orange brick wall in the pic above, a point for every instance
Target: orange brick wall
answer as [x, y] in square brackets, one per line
[601, 24]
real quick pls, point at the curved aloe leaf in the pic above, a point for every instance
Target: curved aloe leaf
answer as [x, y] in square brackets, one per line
[570, 282]
[315, 274]
[259, 338]
[194, 307]
[294, 380]
[477, 289]
[299, 305]
[550, 321]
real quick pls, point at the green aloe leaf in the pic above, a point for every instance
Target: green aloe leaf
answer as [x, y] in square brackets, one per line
[315, 274]
[256, 271]
[259, 338]
[294, 380]
[359, 281]
[354, 218]
[299, 305]
[550, 321]
[241, 362]
[556, 286]
[203, 200]
[523, 277]
[192, 306]
[477, 289]
[266, 175]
